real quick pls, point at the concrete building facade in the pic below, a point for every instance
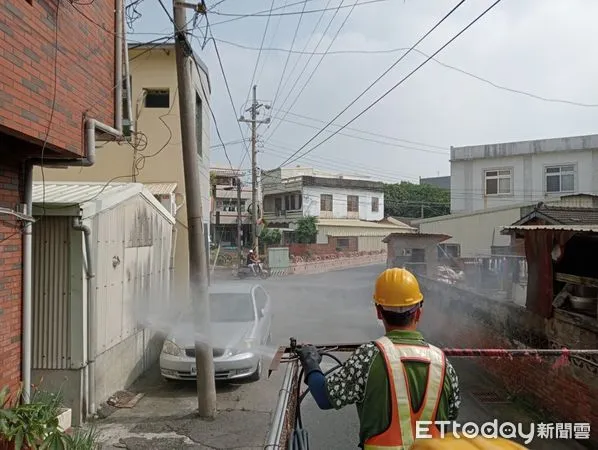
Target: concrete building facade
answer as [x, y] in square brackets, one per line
[154, 154]
[292, 194]
[224, 216]
[499, 175]
[48, 97]
[478, 233]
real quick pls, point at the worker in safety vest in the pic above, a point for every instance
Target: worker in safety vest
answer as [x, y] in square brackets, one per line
[389, 399]
[450, 442]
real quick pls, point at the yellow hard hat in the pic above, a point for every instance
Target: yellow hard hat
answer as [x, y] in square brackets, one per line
[397, 289]
[463, 443]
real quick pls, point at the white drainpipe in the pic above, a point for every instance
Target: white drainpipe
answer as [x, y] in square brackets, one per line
[27, 286]
[118, 65]
[91, 314]
[128, 80]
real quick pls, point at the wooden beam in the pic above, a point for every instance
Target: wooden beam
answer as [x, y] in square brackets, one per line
[576, 279]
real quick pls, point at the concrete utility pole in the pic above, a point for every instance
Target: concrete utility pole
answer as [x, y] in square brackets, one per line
[254, 200]
[239, 224]
[198, 265]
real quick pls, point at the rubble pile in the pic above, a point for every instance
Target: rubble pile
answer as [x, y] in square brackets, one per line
[449, 276]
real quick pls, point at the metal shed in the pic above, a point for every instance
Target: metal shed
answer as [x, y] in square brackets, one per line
[101, 262]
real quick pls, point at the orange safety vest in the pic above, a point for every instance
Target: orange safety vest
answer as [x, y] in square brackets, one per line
[401, 433]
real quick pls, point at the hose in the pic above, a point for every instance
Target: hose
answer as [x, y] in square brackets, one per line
[300, 438]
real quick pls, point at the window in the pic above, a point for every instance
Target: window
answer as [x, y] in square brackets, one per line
[198, 125]
[231, 308]
[498, 182]
[375, 204]
[343, 243]
[449, 250]
[352, 203]
[560, 178]
[325, 202]
[157, 98]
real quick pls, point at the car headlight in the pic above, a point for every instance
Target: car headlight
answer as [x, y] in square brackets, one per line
[243, 346]
[170, 348]
[248, 343]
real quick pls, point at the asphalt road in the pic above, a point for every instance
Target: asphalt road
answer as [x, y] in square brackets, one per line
[336, 307]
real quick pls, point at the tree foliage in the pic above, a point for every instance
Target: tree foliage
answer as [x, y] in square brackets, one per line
[306, 231]
[406, 199]
[270, 236]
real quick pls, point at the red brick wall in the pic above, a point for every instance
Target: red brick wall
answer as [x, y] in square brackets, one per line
[10, 279]
[85, 69]
[314, 249]
[322, 249]
[456, 318]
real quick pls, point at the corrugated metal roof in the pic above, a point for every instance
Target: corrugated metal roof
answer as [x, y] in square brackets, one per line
[67, 198]
[578, 228]
[161, 188]
[355, 223]
[439, 236]
[569, 216]
[77, 193]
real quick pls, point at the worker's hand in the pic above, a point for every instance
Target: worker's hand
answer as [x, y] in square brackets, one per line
[310, 359]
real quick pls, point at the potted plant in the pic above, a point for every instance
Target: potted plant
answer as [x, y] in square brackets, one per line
[36, 424]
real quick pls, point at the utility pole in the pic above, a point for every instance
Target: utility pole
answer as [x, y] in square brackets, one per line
[254, 200]
[239, 224]
[198, 265]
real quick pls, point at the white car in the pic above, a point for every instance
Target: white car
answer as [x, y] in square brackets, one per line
[241, 318]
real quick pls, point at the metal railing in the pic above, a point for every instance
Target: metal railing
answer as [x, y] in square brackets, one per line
[284, 416]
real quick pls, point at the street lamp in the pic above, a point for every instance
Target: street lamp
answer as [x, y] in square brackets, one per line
[230, 188]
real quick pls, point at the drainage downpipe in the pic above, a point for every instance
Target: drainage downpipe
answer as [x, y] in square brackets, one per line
[128, 80]
[118, 65]
[27, 286]
[91, 314]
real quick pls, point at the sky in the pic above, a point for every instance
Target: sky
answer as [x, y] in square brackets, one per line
[541, 48]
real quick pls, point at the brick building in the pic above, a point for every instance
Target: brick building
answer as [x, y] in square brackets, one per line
[60, 66]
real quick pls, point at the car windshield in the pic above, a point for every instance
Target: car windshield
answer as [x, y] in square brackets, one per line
[231, 308]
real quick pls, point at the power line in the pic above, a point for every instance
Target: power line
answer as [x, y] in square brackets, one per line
[291, 13]
[271, 41]
[260, 53]
[305, 47]
[376, 141]
[405, 78]
[381, 76]
[287, 60]
[259, 12]
[319, 62]
[392, 138]
[209, 28]
[448, 66]
[343, 166]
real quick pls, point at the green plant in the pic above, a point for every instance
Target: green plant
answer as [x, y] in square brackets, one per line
[306, 231]
[34, 425]
[270, 237]
[82, 440]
